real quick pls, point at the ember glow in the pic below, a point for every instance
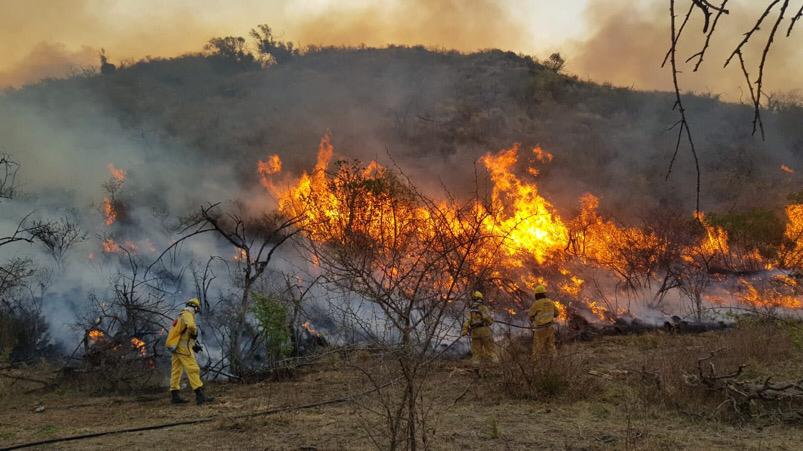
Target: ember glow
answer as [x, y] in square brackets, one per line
[787, 169]
[139, 345]
[110, 213]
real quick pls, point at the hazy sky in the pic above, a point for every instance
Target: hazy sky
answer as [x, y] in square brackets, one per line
[621, 41]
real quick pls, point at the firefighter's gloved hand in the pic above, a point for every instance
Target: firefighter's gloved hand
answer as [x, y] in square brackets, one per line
[197, 348]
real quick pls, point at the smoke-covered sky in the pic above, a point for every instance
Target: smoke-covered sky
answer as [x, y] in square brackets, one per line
[619, 41]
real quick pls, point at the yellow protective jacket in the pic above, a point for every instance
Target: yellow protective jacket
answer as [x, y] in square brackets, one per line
[543, 312]
[478, 319]
[181, 337]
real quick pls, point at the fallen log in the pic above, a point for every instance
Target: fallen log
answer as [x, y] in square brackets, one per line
[743, 395]
[579, 328]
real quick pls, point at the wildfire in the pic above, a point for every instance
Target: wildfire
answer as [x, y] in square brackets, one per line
[117, 174]
[792, 251]
[308, 327]
[353, 204]
[716, 239]
[95, 335]
[787, 169]
[572, 286]
[110, 246]
[598, 309]
[139, 345]
[770, 297]
[109, 212]
[526, 220]
[606, 244]
[272, 165]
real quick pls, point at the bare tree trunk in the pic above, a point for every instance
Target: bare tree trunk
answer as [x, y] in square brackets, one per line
[235, 352]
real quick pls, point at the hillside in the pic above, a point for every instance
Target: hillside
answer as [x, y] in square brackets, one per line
[434, 112]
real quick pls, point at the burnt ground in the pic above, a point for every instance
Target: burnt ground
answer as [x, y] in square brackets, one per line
[605, 408]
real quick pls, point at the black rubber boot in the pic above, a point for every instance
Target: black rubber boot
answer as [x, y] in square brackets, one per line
[200, 398]
[175, 398]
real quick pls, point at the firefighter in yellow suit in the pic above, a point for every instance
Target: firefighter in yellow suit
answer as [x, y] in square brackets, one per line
[478, 324]
[181, 342]
[542, 317]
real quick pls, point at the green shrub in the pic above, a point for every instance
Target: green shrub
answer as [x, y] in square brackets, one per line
[761, 229]
[272, 317]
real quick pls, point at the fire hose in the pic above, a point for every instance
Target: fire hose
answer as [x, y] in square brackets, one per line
[209, 419]
[513, 325]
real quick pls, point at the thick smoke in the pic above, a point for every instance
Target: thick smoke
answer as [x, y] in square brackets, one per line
[627, 41]
[64, 158]
[190, 130]
[49, 60]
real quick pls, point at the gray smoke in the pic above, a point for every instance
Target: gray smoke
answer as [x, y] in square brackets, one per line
[189, 131]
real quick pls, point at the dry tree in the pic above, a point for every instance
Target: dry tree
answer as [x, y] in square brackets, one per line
[255, 239]
[8, 176]
[410, 258]
[123, 332]
[712, 13]
[58, 236]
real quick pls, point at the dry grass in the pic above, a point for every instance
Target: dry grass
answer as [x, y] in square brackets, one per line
[563, 377]
[593, 397]
[667, 373]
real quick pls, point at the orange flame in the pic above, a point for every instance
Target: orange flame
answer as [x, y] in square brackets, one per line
[117, 174]
[792, 250]
[95, 335]
[272, 165]
[110, 246]
[524, 225]
[308, 326]
[139, 345]
[787, 169]
[526, 220]
[777, 296]
[109, 212]
[716, 239]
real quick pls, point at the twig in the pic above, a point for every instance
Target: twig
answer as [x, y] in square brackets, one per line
[684, 124]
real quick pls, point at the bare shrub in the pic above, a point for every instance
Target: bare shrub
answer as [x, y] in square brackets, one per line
[563, 377]
[677, 374]
[255, 239]
[123, 334]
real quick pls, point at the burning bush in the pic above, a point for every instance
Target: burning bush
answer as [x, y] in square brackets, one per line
[114, 363]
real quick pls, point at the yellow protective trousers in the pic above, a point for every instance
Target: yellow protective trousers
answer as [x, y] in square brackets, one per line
[482, 345]
[543, 342]
[184, 362]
